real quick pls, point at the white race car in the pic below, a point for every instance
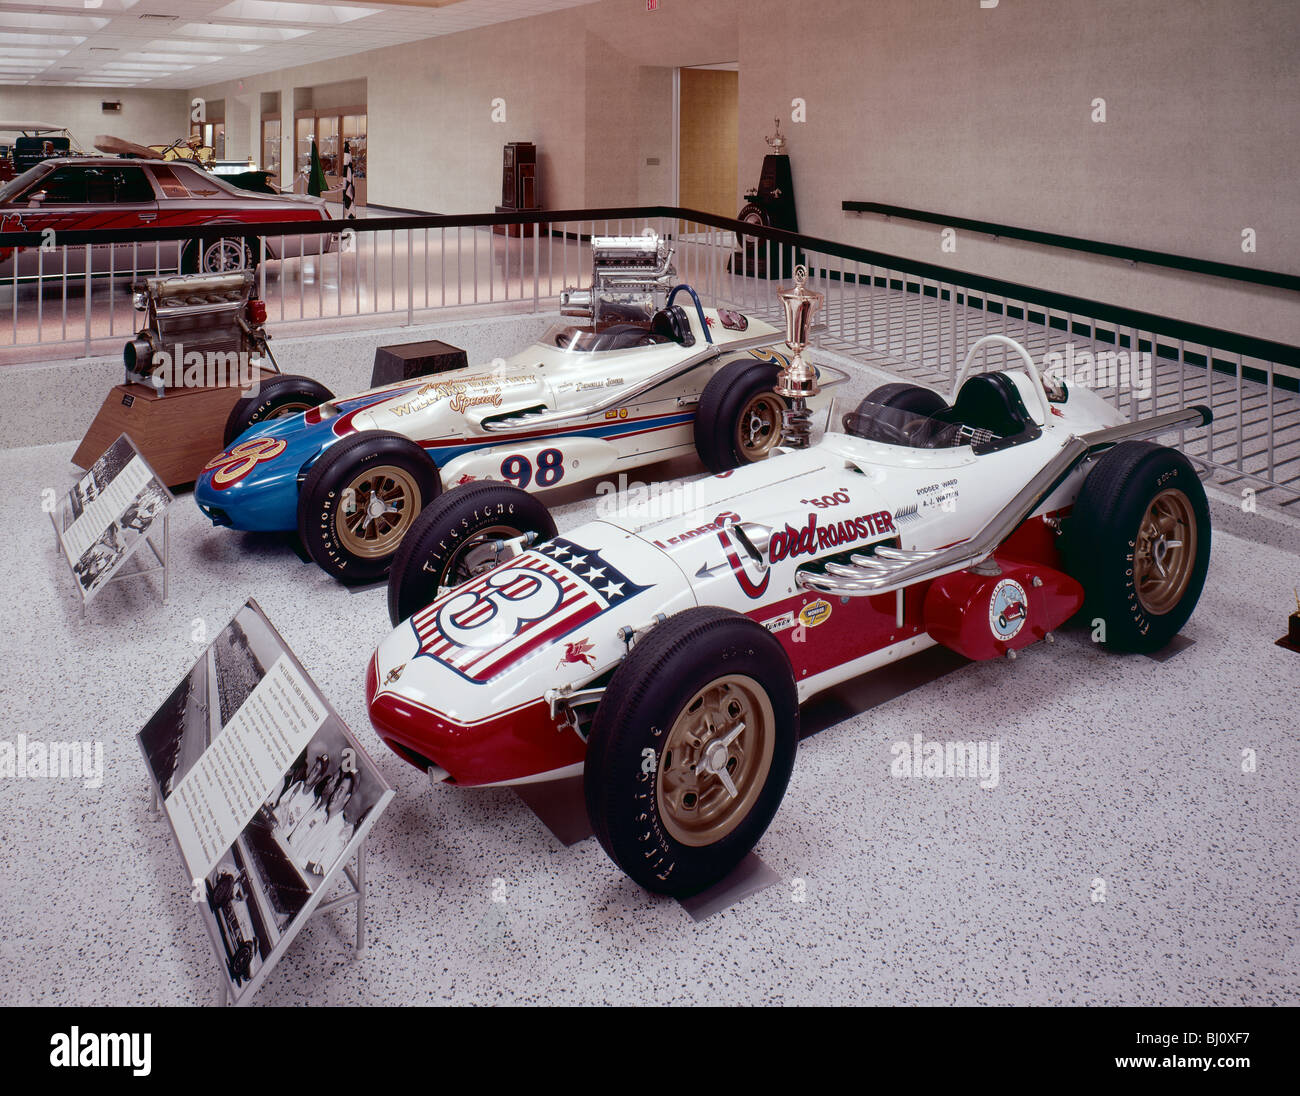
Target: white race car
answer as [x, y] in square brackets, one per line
[649, 375]
[665, 657]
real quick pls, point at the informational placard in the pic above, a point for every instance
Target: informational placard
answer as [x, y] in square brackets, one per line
[108, 513]
[267, 792]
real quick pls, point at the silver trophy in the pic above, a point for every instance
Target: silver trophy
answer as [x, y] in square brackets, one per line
[798, 380]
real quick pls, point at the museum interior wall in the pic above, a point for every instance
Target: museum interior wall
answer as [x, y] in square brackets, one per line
[902, 110]
[146, 117]
[905, 109]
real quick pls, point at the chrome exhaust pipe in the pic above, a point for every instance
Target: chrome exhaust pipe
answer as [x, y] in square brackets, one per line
[890, 569]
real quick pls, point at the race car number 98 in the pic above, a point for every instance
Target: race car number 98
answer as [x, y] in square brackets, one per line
[518, 469]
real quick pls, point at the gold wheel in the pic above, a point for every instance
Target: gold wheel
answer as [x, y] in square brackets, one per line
[474, 557]
[716, 760]
[377, 508]
[759, 429]
[1165, 553]
[284, 410]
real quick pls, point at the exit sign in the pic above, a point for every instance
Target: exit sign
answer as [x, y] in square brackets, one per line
[651, 5]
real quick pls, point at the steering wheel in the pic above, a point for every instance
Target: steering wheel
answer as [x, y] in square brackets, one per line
[1026, 360]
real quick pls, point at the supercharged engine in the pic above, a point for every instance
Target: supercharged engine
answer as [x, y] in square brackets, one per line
[631, 277]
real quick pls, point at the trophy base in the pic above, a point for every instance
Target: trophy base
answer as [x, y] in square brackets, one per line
[752, 261]
[1291, 641]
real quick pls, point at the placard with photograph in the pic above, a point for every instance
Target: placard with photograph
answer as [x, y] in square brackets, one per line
[108, 513]
[268, 794]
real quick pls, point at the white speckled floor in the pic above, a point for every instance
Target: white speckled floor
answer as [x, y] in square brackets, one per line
[914, 891]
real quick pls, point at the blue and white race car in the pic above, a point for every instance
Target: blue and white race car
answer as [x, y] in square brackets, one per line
[651, 374]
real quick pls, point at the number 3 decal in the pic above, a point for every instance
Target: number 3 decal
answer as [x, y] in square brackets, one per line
[518, 469]
[515, 596]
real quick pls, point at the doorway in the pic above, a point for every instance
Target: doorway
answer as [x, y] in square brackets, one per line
[708, 138]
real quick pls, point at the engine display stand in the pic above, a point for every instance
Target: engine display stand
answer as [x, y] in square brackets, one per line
[177, 433]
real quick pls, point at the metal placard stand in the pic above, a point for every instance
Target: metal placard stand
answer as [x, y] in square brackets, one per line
[268, 796]
[147, 503]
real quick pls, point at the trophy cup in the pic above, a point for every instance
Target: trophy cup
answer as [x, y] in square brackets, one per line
[777, 142]
[798, 380]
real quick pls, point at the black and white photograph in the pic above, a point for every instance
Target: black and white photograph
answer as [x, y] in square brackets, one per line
[309, 819]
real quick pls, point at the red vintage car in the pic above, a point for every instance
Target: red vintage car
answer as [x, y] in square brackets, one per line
[111, 192]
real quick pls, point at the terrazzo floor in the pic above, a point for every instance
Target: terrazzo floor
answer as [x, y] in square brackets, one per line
[1120, 777]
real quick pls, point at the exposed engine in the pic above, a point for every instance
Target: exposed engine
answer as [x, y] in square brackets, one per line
[631, 277]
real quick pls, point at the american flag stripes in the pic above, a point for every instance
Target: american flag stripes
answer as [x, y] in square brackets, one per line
[486, 626]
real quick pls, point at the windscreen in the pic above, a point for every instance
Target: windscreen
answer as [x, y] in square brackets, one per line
[893, 426]
[585, 340]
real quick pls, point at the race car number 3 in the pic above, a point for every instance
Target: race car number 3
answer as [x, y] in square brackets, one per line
[514, 597]
[518, 469]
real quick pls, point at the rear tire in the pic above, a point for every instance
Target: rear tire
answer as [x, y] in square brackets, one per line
[276, 398]
[451, 541]
[740, 419]
[384, 473]
[1138, 540]
[670, 829]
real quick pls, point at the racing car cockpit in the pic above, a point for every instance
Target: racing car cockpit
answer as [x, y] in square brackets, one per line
[988, 414]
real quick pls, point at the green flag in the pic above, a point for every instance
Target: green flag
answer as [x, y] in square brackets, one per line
[316, 183]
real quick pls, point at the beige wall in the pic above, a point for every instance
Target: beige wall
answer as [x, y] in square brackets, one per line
[591, 86]
[935, 104]
[985, 113]
[707, 147]
[147, 117]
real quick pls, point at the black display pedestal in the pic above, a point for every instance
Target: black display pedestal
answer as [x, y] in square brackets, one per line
[419, 359]
[771, 204]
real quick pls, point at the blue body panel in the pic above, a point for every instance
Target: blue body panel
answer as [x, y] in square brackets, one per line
[266, 498]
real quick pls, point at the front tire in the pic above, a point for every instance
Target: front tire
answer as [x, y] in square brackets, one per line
[359, 501]
[453, 541]
[276, 398]
[1138, 541]
[705, 694]
[740, 418]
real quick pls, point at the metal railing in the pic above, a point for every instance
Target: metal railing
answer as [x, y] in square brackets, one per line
[911, 318]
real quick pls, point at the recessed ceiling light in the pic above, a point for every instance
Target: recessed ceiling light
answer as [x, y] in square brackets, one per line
[271, 11]
[25, 21]
[187, 60]
[33, 51]
[239, 30]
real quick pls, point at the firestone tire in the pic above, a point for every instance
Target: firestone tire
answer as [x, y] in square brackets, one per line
[1142, 511]
[667, 838]
[379, 468]
[739, 419]
[439, 548]
[276, 398]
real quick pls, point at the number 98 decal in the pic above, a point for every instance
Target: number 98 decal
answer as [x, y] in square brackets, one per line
[518, 469]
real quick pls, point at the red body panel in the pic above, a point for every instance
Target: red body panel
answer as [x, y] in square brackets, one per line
[510, 745]
[984, 616]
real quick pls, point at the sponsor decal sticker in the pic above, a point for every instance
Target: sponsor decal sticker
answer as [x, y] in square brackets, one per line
[815, 613]
[780, 623]
[1008, 609]
[812, 537]
[579, 652]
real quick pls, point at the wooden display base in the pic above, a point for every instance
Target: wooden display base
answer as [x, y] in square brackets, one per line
[177, 433]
